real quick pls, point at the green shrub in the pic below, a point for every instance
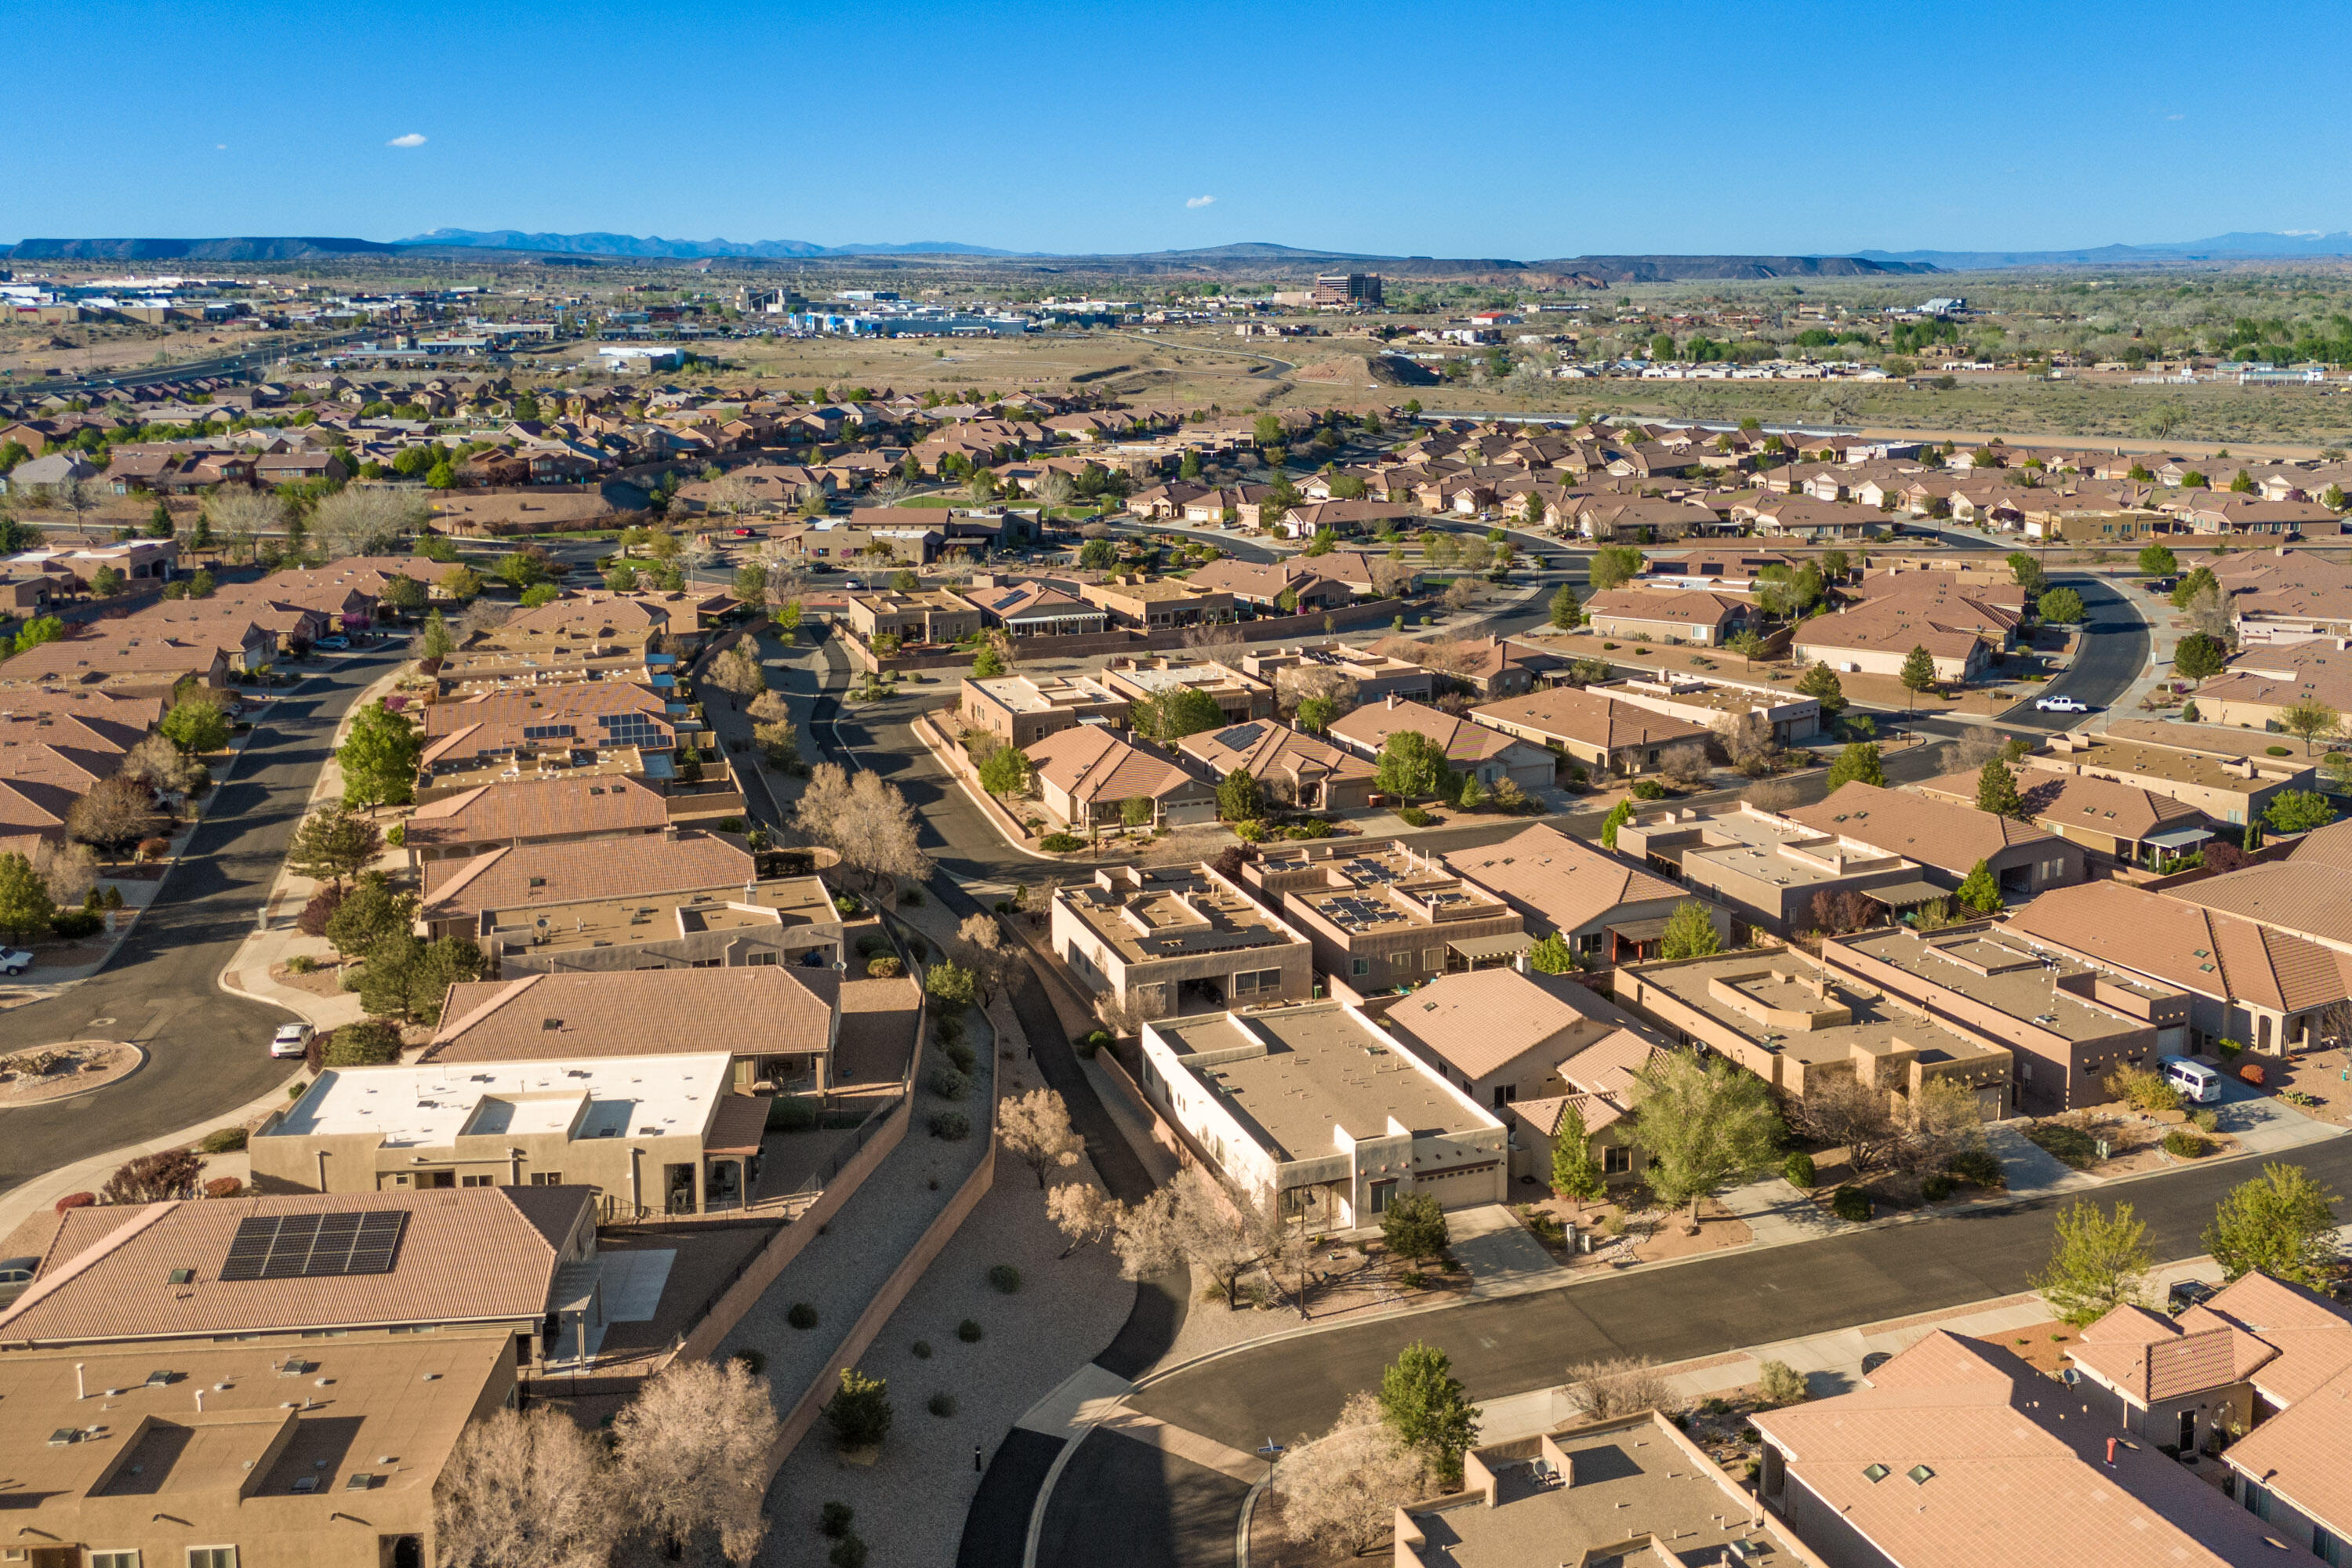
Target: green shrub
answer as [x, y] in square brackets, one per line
[1005, 1278]
[791, 1113]
[2064, 1142]
[941, 1405]
[222, 1140]
[953, 1126]
[848, 904]
[1777, 1383]
[1411, 1279]
[1414, 817]
[922, 1349]
[968, 1331]
[833, 1518]
[301, 964]
[1649, 789]
[1060, 842]
[754, 1362]
[871, 943]
[1935, 1188]
[910, 898]
[1851, 1203]
[1799, 1168]
[2278, 752]
[1087, 1045]
[802, 1316]
[1978, 1165]
[1310, 827]
[949, 1084]
[964, 1058]
[2206, 1121]
[883, 968]
[71, 923]
[2183, 1144]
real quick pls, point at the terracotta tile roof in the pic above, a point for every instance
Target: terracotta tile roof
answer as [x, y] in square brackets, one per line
[2180, 944]
[1481, 1019]
[1609, 1065]
[1461, 741]
[749, 1011]
[2306, 897]
[2099, 805]
[1266, 750]
[537, 809]
[2311, 1334]
[1691, 607]
[518, 876]
[1544, 1115]
[1934, 832]
[1562, 882]
[542, 705]
[2330, 846]
[2001, 1479]
[1588, 718]
[1090, 763]
[467, 1254]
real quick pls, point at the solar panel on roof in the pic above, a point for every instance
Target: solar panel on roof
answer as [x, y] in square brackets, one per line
[309, 1246]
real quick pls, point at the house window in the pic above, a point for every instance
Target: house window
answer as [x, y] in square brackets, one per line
[547, 1178]
[1433, 959]
[475, 1181]
[212, 1557]
[1382, 1192]
[126, 1558]
[1616, 1160]
[1505, 1093]
[1401, 960]
[1360, 967]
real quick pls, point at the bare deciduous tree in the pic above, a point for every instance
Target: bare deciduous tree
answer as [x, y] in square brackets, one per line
[525, 1491]
[1684, 765]
[1211, 1224]
[160, 764]
[66, 869]
[691, 1451]
[1036, 1129]
[1772, 795]
[1840, 1109]
[1083, 1212]
[114, 813]
[366, 520]
[1936, 1125]
[867, 821]
[1392, 578]
[982, 948]
[233, 509]
[1218, 639]
[1297, 685]
[1127, 1015]
[1749, 741]
[1622, 1385]
[1346, 1485]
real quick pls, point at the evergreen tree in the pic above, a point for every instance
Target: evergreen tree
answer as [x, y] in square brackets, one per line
[1997, 791]
[1618, 815]
[985, 664]
[1821, 683]
[1918, 671]
[1567, 614]
[1239, 799]
[1857, 764]
[379, 758]
[1574, 1172]
[1980, 890]
[1690, 932]
[1423, 1402]
[1552, 956]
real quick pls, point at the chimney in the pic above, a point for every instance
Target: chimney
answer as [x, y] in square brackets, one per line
[79, 1392]
[2111, 1453]
[1392, 699]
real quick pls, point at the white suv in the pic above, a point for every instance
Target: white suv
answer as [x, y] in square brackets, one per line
[291, 1040]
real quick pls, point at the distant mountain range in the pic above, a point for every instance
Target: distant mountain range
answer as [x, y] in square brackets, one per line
[280, 248]
[682, 249]
[2221, 247]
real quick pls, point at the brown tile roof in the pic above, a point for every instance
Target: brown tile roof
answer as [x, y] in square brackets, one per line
[1933, 832]
[1481, 1019]
[466, 1254]
[1266, 750]
[1090, 763]
[537, 809]
[1589, 718]
[2306, 897]
[1461, 741]
[2074, 800]
[1690, 607]
[2180, 944]
[768, 1007]
[2002, 1479]
[1563, 882]
[2330, 846]
[518, 876]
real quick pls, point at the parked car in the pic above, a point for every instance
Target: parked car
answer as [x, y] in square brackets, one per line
[14, 961]
[332, 644]
[15, 1274]
[291, 1040]
[2185, 1294]
[2062, 705]
[2198, 1084]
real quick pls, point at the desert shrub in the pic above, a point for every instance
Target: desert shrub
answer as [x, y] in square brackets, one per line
[1978, 1165]
[872, 943]
[883, 968]
[847, 904]
[1005, 1278]
[1414, 817]
[224, 1187]
[2206, 1121]
[952, 1126]
[968, 1331]
[1777, 1383]
[833, 1518]
[151, 1178]
[941, 1405]
[1799, 1168]
[910, 898]
[1411, 1279]
[1310, 827]
[802, 1316]
[2183, 1144]
[754, 1362]
[1851, 1203]
[222, 1140]
[1060, 842]
[1935, 1188]
[949, 1084]
[791, 1113]
[961, 1055]
[922, 1349]
[76, 1201]
[301, 964]
[1649, 789]
[849, 1552]
[2142, 1090]
[2064, 1142]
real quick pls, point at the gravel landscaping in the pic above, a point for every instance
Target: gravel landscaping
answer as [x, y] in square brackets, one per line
[910, 1503]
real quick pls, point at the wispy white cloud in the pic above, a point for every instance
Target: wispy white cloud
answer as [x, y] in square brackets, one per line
[411, 140]
[1198, 201]
[2176, 117]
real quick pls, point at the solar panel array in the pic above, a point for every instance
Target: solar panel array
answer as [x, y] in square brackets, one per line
[546, 732]
[633, 730]
[309, 1246]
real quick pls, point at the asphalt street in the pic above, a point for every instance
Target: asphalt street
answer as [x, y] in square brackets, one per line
[207, 1048]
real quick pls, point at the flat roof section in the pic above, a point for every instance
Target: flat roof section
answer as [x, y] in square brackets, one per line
[1765, 847]
[2171, 764]
[2006, 975]
[1762, 995]
[1295, 1074]
[432, 1104]
[1176, 918]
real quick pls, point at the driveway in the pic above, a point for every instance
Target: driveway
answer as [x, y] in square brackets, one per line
[206, 1049]
[2266, 1124]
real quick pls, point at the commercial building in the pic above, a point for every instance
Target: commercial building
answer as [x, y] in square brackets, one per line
[1320, 1110]
[1608, 909]
[664, 1134]
[1169, 940]
[1947, 839]
[1383, 917]
[1767, 869]
[1021, 711]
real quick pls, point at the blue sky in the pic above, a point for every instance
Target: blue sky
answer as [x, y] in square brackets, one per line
[1470, 129]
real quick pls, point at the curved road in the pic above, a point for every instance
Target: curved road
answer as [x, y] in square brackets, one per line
[207, 1048]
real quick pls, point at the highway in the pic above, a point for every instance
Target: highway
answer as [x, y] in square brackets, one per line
[207, 1048]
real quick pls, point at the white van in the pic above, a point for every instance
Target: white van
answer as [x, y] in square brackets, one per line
[2198, 1084]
